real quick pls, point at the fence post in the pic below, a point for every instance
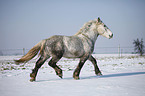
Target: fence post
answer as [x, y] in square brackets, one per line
[23, 51]
[119, 50]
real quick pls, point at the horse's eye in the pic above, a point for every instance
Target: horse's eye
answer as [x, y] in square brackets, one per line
[105, 26]
[89, 25]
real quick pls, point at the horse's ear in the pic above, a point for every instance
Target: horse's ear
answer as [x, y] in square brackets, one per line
[98, 20]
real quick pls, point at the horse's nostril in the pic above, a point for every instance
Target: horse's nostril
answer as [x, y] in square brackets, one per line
[111, 35]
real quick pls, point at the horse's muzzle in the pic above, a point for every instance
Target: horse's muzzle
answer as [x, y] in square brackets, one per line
[110, 36]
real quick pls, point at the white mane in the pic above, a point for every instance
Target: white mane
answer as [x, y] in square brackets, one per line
[86, 27]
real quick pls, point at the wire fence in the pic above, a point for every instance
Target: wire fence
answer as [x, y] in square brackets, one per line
[98, 50]
[114, 50]
[6, 52]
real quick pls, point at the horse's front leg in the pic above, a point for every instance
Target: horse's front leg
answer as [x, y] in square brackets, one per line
[79, 67]
[94, 62]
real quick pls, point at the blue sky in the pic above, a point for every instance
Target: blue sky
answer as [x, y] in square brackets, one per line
[23, 23]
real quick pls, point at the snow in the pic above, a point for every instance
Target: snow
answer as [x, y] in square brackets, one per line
[123, 76]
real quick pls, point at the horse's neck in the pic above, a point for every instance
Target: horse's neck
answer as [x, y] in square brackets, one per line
[87, 31]
[91, 35]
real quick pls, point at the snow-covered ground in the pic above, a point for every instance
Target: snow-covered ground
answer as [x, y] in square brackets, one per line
[121, 77]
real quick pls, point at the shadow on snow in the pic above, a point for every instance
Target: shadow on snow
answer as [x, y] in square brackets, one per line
[114, 75]
[103, 76]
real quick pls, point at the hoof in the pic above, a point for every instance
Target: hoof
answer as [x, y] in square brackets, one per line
[59, 74]
[32, 79]
[61, 77]
[99, 74]
[76, 77]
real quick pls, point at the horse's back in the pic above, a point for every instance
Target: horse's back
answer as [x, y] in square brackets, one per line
[67, 46]
[54, 46]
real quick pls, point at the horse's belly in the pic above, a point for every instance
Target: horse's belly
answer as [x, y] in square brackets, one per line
[73, 53]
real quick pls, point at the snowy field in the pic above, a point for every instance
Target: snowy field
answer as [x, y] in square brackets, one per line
[123, 76]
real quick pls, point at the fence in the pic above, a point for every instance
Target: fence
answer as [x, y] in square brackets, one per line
[114, 50]
[98, 50]
[6, 52]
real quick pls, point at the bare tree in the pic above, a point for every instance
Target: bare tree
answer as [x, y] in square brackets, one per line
[138, 46]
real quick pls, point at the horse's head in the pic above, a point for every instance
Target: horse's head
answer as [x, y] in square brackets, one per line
[103, 30]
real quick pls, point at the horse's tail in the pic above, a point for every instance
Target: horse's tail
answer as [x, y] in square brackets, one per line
[32, 52]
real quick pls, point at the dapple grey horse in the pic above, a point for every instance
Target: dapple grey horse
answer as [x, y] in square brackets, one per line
[80, 45]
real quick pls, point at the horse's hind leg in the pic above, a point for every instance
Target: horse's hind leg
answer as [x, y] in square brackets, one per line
[52, 63]
[39, 63]
[94, 62]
